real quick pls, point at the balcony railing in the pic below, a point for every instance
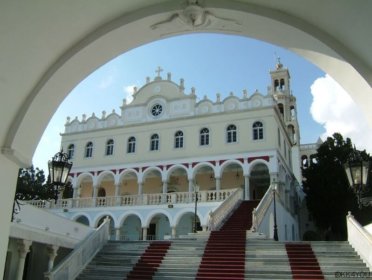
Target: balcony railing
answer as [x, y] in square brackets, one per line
[132, 200]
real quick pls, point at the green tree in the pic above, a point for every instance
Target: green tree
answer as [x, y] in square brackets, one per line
[31, 184]
[328, 195]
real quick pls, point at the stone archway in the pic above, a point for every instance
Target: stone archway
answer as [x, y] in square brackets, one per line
[157, 21]
[159, 226]
[82, 220]
[232, 176]
[50, 75]
[259, 180]
[131, 228]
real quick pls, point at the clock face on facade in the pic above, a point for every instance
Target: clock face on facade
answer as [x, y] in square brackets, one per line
[156, 110]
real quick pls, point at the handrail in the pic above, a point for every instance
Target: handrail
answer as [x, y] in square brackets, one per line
[76, 261]
[360, 239]
[219, 215]
[259, 212]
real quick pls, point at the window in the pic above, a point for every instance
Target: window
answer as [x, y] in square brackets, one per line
[204, 137]
[154, 142]
[178, 139]
[71, 151]
[156, 110]
[131, 145]
[110, 147]
[231, 134]
[89, 150]
[257, 131]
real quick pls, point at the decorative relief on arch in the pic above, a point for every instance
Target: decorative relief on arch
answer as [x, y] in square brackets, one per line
[231, 104]
[194, 17]
[204, 108]
[112, 120]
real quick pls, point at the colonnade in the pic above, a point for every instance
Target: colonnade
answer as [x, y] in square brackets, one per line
[23, 249]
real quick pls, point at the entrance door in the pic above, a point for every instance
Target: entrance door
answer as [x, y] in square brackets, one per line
[151, 233]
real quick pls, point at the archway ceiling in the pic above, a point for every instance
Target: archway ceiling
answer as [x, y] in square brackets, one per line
[47, 47]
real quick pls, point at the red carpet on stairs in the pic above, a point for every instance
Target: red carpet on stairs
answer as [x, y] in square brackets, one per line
[150, 260]
[303, 262]
[224, 254]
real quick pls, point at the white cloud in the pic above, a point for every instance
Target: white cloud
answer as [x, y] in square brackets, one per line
[333, 108]
[128, 90]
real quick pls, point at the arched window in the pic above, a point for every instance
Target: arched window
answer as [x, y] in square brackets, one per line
[204, 136]
[89, 150]
[257, 131]
[231, 134]
[178, 139]
[154, 142]
[131, 145]
[110, 147]
[71, 151]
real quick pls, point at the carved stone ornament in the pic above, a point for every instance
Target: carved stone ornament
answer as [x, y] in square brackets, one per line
[194, 17]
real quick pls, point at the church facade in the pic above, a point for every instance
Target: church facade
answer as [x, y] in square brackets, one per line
[163, 164]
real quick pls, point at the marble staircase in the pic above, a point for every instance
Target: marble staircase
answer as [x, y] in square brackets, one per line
[230, 253]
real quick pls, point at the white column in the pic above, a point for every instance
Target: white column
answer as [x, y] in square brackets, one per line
[52, 254]
[23, 249]
[75, 193]
[190, 190]
[165, 186]
[165, 191]
[117, 193]
[144, 233]
[8, 175]
[117, 189]
[95, 191]
[190, 186]
[218, 183]
[117, 234]
[174, 232]
[247, 190]
[140, 187]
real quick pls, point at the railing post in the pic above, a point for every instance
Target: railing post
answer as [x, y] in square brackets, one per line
[254, 219]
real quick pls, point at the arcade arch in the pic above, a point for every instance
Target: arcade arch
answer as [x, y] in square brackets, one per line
[177, 179]
[128, 182]
[232, 175]
[259, 180]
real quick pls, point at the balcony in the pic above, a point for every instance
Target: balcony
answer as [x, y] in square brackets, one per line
[135, 200]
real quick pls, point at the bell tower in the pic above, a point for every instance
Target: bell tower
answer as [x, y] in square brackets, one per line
[286, 102]
[287, 107]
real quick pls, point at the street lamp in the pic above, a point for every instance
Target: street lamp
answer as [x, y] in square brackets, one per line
[274, 189]
[59, 168]
[357, 171]
[196, 191]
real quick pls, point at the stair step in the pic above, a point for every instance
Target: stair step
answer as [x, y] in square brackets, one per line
[230, 257]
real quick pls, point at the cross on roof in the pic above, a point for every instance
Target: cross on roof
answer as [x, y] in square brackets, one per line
[159, 70]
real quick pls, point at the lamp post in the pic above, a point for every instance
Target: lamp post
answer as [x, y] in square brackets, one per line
[59, 168]
[274, 188]
[357, 171]
[196, 191]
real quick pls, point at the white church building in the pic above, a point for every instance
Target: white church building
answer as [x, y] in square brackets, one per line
[169, 165]
[143, 167]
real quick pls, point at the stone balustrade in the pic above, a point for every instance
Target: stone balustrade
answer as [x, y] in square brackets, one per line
[132, 200]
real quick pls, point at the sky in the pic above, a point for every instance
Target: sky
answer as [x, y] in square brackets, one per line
[212, 63]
